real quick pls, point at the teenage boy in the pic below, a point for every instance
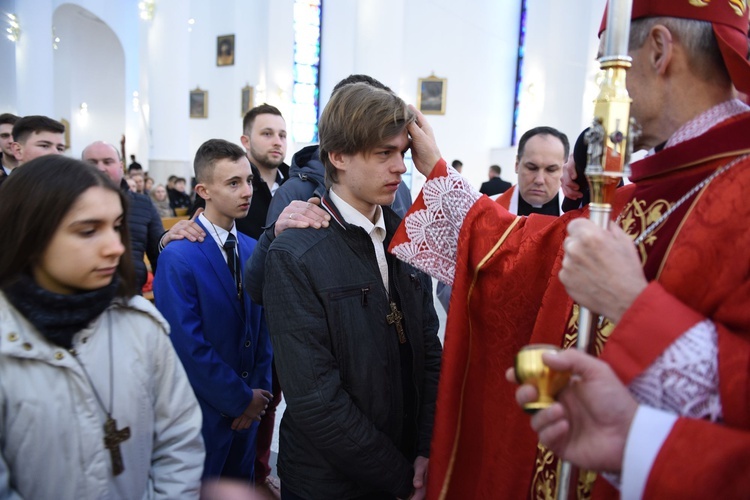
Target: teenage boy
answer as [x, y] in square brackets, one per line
[357, 353]
[218, 332]
[35, 136]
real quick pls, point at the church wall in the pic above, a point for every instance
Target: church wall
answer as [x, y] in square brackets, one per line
[90, 74]
[8, 63]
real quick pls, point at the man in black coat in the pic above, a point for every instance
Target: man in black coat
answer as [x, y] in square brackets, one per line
[264, 139]
[143, 220]
[357, 355]
[495, 185]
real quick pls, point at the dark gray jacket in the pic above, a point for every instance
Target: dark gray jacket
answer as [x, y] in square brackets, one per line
[338, 361]
[146, 229]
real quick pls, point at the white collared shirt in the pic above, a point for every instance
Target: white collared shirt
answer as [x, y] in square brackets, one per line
[276, 184]
[218, 234]
[376, 231]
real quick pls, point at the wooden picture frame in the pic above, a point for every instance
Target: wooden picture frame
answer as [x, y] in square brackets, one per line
[66, 135]
[246, 100]
[225, 50]
[198, 103]
[431, 94]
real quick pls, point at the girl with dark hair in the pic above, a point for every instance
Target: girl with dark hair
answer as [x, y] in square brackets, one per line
[93, 400]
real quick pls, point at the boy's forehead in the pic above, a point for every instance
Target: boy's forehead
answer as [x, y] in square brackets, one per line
[400, 140]
[46, 135]
[226, 168]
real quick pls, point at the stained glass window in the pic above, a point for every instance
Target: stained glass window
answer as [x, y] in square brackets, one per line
[306, 92]
[519, 70]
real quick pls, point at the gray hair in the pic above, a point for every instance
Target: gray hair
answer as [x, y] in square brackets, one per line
[697, 37]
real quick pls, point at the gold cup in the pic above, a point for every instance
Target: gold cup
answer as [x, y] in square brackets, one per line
[530, 369]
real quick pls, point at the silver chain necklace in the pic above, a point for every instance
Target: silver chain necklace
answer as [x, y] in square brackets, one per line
[652, 227]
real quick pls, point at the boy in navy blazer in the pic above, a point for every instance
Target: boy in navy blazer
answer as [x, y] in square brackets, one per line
[218, 332]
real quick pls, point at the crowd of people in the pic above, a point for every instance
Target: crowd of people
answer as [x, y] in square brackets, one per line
[314, 280]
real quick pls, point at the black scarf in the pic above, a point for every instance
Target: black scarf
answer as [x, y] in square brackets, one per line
[59, 317]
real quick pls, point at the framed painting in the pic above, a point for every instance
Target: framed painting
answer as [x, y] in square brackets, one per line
[198, 103]
[66, 136]
[431, 95]
[225, 50]
[246, 99]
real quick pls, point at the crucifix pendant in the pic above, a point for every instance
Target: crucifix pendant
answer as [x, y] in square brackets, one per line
[394, 318]
[112, 439]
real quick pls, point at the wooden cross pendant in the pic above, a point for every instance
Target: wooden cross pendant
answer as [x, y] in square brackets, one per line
[395, 319]
[112, 440]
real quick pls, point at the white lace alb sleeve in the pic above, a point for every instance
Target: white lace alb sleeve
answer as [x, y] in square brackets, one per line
[433, 230]
[685, 379]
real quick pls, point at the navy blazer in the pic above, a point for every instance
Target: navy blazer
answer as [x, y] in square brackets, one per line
[221, 340]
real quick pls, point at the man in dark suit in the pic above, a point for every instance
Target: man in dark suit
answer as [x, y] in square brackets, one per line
[143, 220]
[495, 185]
[219, 334]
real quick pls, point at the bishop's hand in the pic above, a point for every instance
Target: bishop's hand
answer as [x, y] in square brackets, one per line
[424, 149]
[601, 269]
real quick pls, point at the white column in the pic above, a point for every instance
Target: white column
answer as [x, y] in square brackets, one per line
[35, 80]
[167, 99]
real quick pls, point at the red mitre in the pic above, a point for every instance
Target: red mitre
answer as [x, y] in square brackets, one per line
[728, 17]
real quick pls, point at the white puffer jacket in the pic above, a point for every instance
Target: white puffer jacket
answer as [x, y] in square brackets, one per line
[51, 425]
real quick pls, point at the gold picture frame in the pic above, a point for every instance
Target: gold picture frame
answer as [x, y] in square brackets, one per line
[225, 50]
[198, 103]
[246, 100]
[431, 92]
[66, 136]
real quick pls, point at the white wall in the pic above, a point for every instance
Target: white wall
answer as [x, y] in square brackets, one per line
[560, 66]
[8, 98]
[91, 73]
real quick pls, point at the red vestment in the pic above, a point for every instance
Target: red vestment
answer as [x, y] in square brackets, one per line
[506, 294]
[504, 199]
[722, 469]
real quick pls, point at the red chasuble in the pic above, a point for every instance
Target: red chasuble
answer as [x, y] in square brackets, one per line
[506, 294]
[721, 468]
